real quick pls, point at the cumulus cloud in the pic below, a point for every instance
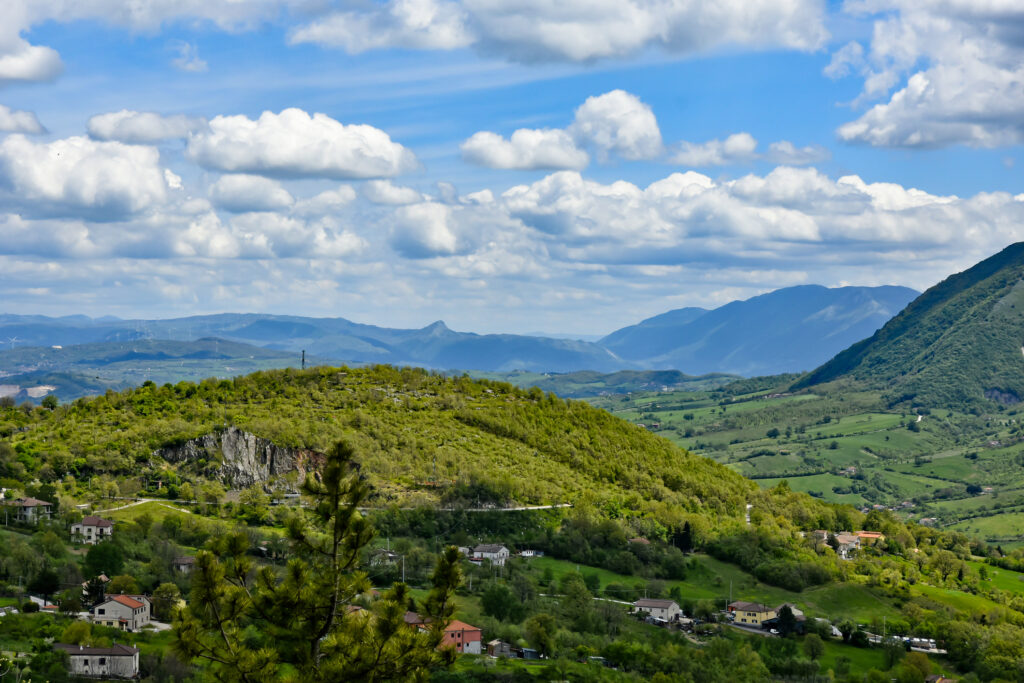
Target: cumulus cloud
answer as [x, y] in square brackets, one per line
[103, 180]
[386, 192]
[142, 127]
[737, 148]
[526, 149]
[295, 144]
[949, 72]
[421, 24]
[615, 122]
[618, 122]
[326, 203]
[240, 193]
[17, 121]
[424, 230]
[741, 148]
[570, 31]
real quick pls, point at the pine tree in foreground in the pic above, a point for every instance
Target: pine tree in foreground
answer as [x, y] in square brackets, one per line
[305, 623]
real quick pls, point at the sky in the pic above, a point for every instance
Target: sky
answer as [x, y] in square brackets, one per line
[504, 165]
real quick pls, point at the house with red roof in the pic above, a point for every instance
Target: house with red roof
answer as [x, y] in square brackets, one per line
[465, 638]
[126, 612]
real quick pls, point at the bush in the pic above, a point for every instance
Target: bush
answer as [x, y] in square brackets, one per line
[29, 607]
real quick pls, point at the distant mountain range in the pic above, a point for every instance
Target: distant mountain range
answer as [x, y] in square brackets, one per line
[789, 330]
[960, 342]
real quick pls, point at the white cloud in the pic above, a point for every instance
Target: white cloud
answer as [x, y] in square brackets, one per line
[386, 192]
[295, 144]
[421, 24]
[81, 176]
[527, 149]
[741, 148]
[951, 72]
[618, 122]
[326, 203]
[424, 230]
[17, 121]
[738, 148]
[188, 58]
[786, 153]
[142, 127]
[240, 193]
[573, 30]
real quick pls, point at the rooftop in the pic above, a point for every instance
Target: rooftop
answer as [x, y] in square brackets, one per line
[653, 602]
[114, 650]
[94, 520]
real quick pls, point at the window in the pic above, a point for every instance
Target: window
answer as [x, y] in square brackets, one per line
[101, 611]
[103, 661]
[85, 662]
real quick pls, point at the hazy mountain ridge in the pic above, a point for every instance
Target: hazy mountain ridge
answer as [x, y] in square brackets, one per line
[787, 330]
[796, 329]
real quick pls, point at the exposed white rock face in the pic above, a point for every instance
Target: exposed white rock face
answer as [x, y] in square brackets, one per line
[245, 458]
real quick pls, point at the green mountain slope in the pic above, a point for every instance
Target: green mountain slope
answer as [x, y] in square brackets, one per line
[960, 342]
[422, 438]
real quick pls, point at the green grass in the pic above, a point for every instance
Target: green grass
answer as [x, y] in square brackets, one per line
[156, 509]
[1003, 579]
[862, 659]
[1008, 525]
[713, 579]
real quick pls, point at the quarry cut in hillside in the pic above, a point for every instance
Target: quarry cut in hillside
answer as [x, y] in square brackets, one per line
[245, 459]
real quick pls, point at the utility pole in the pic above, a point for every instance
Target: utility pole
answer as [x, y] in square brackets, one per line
[303, 359]
[403, 568]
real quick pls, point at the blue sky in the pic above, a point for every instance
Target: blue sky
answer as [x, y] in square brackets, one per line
[504, 165]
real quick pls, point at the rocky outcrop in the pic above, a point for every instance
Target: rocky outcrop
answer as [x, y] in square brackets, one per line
[245, 459]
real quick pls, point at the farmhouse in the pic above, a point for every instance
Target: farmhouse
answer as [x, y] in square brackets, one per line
[92, 530]
[846, 543]
[462, 636]
[662, 609]
[126, 612]
[751, 613]
[184, 564]
[27, 510]
[497, 554]
[499, 648]
[116, 661]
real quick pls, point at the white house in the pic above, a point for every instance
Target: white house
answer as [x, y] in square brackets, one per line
[27, 510]
[662, 609]
[847, 543]
[116, 661]
[497, 554]
[126, 612]
[92, 529]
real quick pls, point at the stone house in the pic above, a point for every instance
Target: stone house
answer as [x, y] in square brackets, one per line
[28, 510]
[661, 609]
[92, 530]
[116, 661]
[497, 554]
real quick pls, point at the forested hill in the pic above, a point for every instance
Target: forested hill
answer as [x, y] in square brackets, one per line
[422, 437]
[958, 343]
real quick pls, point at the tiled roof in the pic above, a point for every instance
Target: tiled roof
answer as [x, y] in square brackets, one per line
[489, 548]
[457, 625]
[653, 602]
[117, 649]
[93, 520]
[127, 602]
[28, 502]
[750, 606]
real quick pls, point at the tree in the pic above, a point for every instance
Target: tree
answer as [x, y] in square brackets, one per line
[500, 602]
[814, 647]
[77, 633]
[125, 583]
[944, 562]
[70, 600]
[104, 558]
[302, 623]
[787, 620]
[45, 583]
[540, 632]
[50, 402]
[95, 591]
[165, 597]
